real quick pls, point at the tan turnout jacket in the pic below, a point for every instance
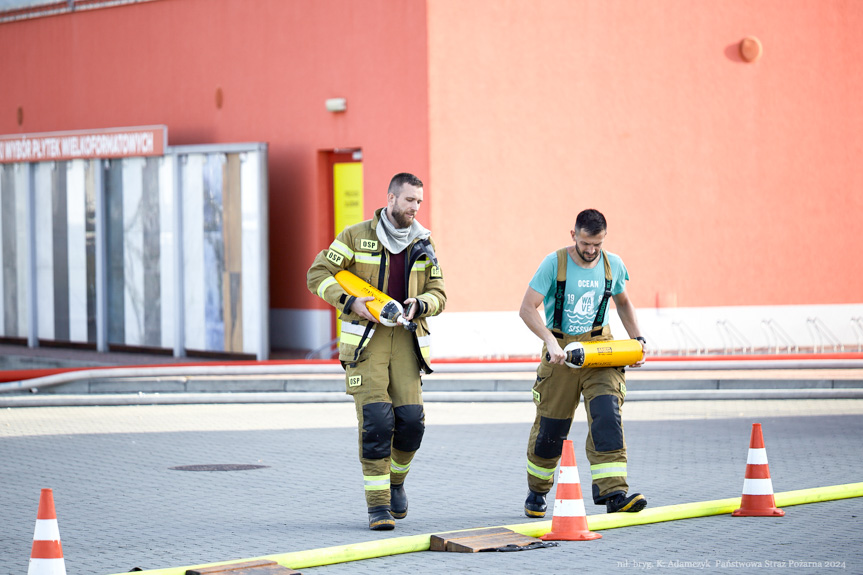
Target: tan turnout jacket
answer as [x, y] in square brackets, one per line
[358, 250]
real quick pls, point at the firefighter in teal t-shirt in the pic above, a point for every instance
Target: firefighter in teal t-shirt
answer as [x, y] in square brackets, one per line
[575, 310]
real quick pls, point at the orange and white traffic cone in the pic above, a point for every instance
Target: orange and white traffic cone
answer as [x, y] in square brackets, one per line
[757, 500]
[569, 522]
[46, 558]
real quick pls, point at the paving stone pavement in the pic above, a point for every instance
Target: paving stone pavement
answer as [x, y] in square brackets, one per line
[120, 505]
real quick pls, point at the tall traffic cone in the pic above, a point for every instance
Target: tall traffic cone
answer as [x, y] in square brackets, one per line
[569, 522]
[46, 558]
[757, 500]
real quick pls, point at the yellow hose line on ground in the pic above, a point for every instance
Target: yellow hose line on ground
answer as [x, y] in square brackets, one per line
[324, 555]
[816, 494]
[700, 509]
[411, 543]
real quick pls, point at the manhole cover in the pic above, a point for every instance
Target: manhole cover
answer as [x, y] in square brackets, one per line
[218, 467]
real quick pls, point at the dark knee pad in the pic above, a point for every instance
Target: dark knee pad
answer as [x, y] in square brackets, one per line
[377, 430]
[409, 427]
[605, 428]
[549, 441]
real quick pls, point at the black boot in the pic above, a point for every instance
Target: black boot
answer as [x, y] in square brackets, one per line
[398, 501]
[534, 505]
[379, 518]
[620, 502]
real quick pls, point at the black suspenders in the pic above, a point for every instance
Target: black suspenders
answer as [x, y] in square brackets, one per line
[560, 291]
[596, 330]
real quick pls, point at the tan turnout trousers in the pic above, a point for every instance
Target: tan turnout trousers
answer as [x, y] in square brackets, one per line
[556, 395]
[386, 386]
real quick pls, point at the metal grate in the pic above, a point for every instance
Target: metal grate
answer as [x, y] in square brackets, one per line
[218, 467]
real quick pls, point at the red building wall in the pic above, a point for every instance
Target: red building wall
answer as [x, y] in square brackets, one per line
[276, 63]
[725, 183]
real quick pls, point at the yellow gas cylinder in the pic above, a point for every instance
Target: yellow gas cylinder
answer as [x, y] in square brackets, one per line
[613, 353]
[385, 309]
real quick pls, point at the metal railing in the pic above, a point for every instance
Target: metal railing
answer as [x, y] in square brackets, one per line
[821, 334]
[776, 339]
[729, 335]
[328, 350]
[684, 335]
[857, 327]
[776, 335]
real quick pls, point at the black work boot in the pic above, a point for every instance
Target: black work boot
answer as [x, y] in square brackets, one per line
[379, 518]
[534, 505]
[398, 501]
[620, 502]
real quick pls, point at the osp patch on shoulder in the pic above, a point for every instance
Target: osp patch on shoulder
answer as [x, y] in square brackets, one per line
[435, 272]
[355, 380]
[536, 396]
[335, 257]
[369, 245]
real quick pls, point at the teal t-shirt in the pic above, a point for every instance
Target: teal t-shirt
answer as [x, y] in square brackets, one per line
[584, 289]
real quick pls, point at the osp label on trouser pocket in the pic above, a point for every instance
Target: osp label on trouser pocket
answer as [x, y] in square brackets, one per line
[355, 380]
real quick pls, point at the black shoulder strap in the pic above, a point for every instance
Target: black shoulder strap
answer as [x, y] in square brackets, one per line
[382, 269]
[559, 293]
[596, 330]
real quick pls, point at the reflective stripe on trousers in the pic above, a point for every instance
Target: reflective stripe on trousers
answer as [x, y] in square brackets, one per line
[376, 482]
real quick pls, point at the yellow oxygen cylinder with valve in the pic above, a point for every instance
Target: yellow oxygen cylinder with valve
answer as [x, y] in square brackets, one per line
[612, 353]
[385, 309]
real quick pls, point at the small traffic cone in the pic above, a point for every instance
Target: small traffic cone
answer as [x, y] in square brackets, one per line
[569, 521]
[757, 500]
[46, 558]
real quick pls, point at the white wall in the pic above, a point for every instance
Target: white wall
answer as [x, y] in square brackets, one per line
[714, 330]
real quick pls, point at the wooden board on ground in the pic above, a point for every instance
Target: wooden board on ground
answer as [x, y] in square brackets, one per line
[259, 567]
[476, 540]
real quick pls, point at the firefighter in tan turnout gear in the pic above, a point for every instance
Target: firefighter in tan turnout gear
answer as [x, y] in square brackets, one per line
[383, 365]
[574, 285]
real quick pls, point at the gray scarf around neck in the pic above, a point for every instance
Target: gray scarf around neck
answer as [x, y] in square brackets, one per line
[396, 239]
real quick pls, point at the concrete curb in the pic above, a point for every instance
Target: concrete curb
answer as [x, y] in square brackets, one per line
[429, 397]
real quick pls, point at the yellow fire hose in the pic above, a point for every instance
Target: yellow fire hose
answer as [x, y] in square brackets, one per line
[411, 543]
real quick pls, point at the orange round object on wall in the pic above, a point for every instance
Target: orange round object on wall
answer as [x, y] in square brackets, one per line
[750, 49]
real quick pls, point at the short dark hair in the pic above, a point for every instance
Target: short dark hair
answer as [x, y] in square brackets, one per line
[401, 179]
[591, 222]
